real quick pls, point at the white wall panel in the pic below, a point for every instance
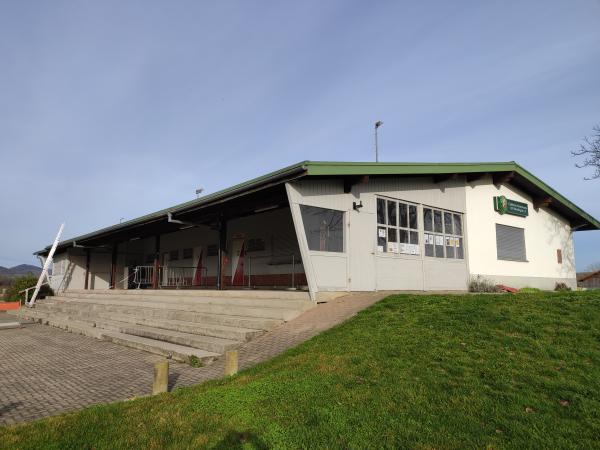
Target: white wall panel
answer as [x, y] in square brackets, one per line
[545, 232]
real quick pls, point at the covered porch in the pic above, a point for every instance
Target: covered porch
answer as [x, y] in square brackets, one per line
[245, 242]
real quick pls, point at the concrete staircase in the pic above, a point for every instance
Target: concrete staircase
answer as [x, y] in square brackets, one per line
[181, 324]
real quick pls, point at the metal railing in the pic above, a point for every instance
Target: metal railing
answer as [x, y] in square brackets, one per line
[169, 276]
[27, 291]
[255, 275]
[251, 271]
[143, 275]
[181, 276]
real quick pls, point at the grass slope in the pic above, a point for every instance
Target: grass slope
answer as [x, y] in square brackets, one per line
[497, 371]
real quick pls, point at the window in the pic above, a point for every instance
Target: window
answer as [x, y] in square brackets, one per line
[397, 227]
[510, 243]
[212, 250]
[559, 256]
[443, 234]
[188, 253]
[324, 228]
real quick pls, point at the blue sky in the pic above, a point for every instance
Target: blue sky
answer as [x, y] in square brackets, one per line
[114, 109]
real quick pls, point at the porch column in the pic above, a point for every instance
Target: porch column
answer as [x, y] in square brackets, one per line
[222, 252]
[113, 267]
[156, 261]
[87, 268]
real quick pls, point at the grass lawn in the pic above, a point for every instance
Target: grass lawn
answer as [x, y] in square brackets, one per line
[496, 371]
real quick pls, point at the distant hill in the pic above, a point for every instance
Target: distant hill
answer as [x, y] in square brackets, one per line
[22, 269]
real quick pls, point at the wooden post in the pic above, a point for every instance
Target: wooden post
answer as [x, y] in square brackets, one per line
[87, 268]
[222, 252]
[231, 362]
[161, 377]
[156, 261]
[113, 267]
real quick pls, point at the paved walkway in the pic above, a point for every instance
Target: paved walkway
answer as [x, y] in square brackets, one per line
[46, 371]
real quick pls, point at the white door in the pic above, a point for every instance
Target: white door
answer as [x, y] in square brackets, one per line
[361, 250]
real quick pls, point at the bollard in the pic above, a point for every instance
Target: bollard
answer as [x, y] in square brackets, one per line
[231, 362]
[161, 377]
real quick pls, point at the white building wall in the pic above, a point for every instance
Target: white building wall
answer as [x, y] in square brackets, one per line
[68, 271]
[545, 232]
[361, 267]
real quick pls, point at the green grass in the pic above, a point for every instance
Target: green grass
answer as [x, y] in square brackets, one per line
[472, 371]
[529, 290]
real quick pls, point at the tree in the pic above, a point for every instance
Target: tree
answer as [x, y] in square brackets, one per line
[593, 267]
[590, 150]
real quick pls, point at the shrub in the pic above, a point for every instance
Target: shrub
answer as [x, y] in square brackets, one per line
[529, 290]
[25, 282]
[561, 287]
[481, 284]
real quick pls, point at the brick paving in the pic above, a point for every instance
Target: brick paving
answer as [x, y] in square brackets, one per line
[45, 371]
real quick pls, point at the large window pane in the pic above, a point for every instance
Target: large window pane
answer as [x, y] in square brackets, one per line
[428, 219]
[403, 236]
[392, 245]
[437, 221]
[403, 215]
[414, 237]
[449, 246]
[324, 228]
[439, 246]
[382, 239]
[457, 225]
[412, 212]
[380, 210]
[392, 215]
[448, 228]
[392, 235]
[460, 253]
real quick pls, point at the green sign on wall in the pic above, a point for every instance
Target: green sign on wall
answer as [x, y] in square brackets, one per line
[506, 206]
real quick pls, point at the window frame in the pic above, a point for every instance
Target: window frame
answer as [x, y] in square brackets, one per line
[398, 227]
[443, 234]
[344, 229]
[524, 260]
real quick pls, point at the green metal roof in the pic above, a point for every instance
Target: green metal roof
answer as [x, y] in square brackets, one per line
[372, 168]
[334, 169]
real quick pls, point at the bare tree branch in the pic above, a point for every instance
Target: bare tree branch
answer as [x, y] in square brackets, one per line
[590, 150]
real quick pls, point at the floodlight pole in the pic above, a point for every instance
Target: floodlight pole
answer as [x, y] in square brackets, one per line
[377, 125]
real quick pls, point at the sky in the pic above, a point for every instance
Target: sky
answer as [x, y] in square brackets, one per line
[113, 109]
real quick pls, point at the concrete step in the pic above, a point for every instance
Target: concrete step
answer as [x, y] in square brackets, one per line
[176, 351]
[255, 323]
[215, 338]
[208, 343]
[233, 293]
[239, 334]
[234, 310]
[299, 304]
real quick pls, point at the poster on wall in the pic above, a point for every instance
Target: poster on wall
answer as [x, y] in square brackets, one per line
[393, 247]
[382, 233]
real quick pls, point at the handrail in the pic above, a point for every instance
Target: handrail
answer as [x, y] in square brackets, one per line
[27, 292]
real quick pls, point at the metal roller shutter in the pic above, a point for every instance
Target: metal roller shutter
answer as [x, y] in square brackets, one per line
[510, 243]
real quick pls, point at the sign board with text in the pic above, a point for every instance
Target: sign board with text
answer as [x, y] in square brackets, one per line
[505, 206]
